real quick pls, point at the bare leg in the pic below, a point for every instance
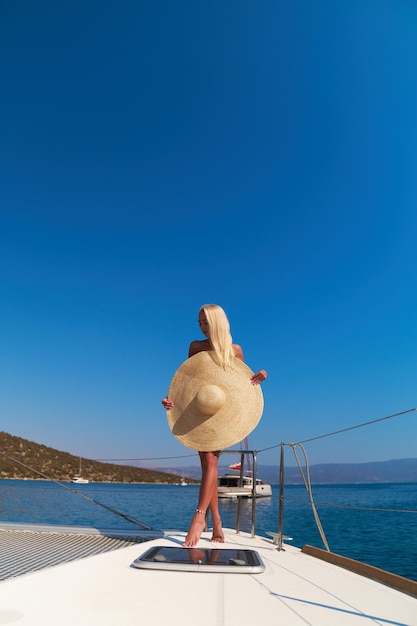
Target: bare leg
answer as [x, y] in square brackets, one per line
[207, 499]
[217, 536]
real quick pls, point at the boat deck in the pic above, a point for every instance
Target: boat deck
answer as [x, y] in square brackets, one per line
[28, 548]
[106, 589]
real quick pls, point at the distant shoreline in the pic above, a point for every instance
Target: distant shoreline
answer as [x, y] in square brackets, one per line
[196, 484]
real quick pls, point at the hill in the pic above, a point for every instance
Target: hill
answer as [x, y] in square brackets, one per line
[395, 471]
[34, 460]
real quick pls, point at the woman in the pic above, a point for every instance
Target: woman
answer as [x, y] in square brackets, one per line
[216, 328]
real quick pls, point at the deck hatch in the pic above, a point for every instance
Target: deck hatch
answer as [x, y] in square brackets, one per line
[218, 560]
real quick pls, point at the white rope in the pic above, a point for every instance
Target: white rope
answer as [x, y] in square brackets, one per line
[307, 483]
[78, 493]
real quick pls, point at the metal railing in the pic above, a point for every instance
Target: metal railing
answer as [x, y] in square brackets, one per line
[253, 454]
[242, 454]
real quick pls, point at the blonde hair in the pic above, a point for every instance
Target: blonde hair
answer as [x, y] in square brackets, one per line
[219, 333]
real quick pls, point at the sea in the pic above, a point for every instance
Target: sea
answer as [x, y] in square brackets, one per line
[373, 523]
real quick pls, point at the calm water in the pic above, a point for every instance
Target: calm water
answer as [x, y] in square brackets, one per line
[385, 539]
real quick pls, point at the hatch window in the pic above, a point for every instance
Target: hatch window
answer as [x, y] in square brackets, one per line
[232, 560]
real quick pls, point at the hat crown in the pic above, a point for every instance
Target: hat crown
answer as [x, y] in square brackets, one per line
[210, 399]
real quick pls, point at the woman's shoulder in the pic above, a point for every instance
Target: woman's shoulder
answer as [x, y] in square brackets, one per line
[238, 351]
[198, 346]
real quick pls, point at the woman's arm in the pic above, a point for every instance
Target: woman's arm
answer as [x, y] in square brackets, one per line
[257, 378]
[195, 347]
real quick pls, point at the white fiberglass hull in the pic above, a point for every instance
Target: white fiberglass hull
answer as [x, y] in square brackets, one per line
[262, 491]
[295, 589]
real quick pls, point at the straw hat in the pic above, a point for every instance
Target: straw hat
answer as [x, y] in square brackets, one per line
[213, 408]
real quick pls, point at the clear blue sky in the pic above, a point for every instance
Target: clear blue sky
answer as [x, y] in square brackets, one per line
[159, 155]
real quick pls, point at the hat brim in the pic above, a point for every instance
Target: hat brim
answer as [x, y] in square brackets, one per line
[234, 421]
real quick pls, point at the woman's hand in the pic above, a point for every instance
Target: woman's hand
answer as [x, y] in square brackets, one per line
[259, 377]
[167, 404]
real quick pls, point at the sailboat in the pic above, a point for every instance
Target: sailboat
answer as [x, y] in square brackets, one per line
[78, 478]
[240, 484]
[234, 486]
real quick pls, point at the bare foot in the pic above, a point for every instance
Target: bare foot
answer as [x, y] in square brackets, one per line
[194, 532]
[217, 536]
